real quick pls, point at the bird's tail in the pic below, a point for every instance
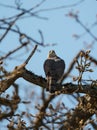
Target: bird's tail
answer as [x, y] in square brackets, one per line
[51, 84]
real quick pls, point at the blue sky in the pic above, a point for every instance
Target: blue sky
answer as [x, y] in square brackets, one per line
[57, 29]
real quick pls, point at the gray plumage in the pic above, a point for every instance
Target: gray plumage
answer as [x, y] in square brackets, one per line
[54, 68]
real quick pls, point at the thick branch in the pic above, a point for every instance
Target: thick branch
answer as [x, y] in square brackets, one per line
[33, 78]
[71, 88]
[18, 72]
[10, 79]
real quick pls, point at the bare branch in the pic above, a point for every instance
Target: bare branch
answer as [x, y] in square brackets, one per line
[33, 51]
[87, 30]
[20, 33]
[75, 16]
[13, 51]
[8, 29]
[93, 60]
[60, 7]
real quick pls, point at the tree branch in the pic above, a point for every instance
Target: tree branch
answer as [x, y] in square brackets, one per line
[33, 51]
[66, 88]
[39, 119]
[84, 110]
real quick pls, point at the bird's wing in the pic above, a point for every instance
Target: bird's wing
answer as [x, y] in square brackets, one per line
[49, 67]
[60, 66]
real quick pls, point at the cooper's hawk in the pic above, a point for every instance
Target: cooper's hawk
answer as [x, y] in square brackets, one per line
[54, 68]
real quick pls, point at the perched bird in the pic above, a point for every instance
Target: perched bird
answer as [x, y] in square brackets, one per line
[54, 68]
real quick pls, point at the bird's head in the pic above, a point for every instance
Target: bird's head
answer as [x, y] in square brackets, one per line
[52, 54]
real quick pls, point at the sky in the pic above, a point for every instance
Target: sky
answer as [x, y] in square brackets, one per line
[56, 28]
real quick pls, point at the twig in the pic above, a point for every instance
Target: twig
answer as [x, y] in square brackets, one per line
[93, 60]
[20, 33]
[24, 11]
[70, 67]
[8, 29]
[59, 7]
[33, 51]
[87, 30]
[11, 52]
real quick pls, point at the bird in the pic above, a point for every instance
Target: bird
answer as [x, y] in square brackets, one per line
[54, 68]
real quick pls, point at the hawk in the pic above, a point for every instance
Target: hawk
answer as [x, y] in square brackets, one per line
[54, 68]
